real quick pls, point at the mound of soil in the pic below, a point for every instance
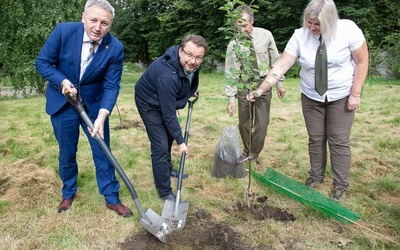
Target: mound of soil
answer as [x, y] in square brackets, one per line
[260, 210]
[200, 232]
[204, 232]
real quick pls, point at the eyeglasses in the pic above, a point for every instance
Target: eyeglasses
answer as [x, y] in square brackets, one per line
[191, 56]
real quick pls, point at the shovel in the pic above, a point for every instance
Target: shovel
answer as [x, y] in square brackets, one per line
[150, 220]
[175, 213]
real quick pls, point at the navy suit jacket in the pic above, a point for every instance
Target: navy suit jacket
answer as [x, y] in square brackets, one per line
[60, 59]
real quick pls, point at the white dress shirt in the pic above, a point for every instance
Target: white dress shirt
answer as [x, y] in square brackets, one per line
[85, 53]
[303, 45]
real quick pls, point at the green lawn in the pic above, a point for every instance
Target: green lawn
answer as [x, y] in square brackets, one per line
[30, 186]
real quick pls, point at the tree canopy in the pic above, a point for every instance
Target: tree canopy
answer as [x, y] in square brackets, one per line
[148, 27]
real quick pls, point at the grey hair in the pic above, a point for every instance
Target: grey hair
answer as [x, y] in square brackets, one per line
[247, 11]
[196, 39]
[326, 12]
[104, 4]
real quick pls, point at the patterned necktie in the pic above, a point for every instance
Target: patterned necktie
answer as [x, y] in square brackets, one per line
[321, 69]
[93, 45]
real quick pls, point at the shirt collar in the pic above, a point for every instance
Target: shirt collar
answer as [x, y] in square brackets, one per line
[317, 37]
[86, 39]
[189, 75]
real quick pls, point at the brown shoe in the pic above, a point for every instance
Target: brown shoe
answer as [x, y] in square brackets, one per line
[120, 209]
[65, 204]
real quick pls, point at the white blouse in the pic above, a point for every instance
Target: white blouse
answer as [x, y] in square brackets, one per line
[303, 45]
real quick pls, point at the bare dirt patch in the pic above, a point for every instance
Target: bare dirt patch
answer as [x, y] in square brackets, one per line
[202, 231]
[126, 124]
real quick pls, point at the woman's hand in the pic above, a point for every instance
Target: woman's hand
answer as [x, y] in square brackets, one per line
[253, 95]
[353, 102]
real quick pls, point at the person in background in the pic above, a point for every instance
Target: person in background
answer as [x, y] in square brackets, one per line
[166, 86]
[85, 57]
[328, 114]
[267, 52]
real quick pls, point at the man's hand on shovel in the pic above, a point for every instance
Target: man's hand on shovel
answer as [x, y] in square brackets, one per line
[98, 125]
[182, 148]
[150, 220]
[68, 88]
[71, 93]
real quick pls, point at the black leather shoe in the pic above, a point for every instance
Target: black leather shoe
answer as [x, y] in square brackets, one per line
[175, 174]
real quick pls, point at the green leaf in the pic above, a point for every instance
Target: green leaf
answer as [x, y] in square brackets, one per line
[245, 78]
[240, 86]
[263, 66]
[233, 71]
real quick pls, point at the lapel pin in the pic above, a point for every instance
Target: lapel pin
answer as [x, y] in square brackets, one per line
[106, 46]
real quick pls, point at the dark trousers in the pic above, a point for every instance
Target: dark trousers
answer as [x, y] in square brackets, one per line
[256, 129]
[329, 123]
[66, 123]
[160, 145]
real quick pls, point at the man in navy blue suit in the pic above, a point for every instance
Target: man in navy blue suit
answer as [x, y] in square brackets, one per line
[85, 57]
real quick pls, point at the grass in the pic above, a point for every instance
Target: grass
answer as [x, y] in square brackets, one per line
[30, 186]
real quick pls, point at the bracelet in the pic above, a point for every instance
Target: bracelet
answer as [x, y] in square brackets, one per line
[355, 95]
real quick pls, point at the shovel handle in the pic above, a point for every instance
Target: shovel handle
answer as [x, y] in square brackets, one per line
[194, 100]
[190, 108]
[77, 102]
[186, 138]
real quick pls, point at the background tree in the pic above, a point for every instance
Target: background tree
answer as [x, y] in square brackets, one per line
[139, 22]
[384, 18]
[280, 18]
[148, 27]
[392, 49]
[126, 27]
[195, 16]
[25, 26]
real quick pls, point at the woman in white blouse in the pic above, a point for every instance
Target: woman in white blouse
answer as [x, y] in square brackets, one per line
[328, 116]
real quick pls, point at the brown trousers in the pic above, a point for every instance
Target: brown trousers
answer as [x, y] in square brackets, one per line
[329, 123]
[260, 110]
